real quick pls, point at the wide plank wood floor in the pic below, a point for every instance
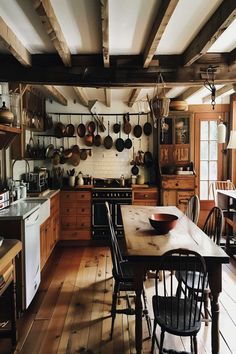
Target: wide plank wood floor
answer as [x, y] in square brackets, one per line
[71, 311]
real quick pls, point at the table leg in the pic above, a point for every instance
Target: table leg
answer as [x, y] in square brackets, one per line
[215, 283]
[138, 310]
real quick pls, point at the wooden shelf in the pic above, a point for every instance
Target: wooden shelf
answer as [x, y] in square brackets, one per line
[7, 135]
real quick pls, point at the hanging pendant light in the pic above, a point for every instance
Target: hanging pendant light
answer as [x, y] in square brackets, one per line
[221, 132]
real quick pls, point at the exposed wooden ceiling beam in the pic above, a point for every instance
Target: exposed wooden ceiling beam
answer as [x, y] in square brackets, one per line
[188, 93]
[105, 32]
[133, 96]
[54, 94]
[164, 13]
[48, 18]
[107, 93]
[13, 44]
[83, 99]
[209, 33]
[220, 92]
[118, 75]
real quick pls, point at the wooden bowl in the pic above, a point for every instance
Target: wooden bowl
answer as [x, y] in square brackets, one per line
[163, 223]
[178, 105]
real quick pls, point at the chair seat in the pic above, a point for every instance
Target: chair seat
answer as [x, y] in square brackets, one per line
[169, 314]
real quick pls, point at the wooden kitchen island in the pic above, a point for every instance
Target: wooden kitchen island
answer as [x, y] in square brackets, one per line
[8, 251]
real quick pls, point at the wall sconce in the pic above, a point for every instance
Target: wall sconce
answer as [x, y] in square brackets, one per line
[232, 140]
[221, 132]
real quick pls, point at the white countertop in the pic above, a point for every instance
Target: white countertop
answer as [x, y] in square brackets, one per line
[19, 210]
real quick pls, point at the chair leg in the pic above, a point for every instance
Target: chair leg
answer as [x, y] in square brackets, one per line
[194, 344]
[113, 306]
[145, 312]
[162, 341]
[153, 335]
[206, 303]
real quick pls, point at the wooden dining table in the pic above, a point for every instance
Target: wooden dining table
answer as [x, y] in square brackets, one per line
[144, 248]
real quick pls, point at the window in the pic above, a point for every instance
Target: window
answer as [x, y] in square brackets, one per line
[208, 157]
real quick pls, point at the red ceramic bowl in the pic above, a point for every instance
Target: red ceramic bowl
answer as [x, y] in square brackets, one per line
[163, 223]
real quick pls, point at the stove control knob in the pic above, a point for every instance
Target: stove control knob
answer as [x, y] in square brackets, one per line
[114, 194]
[108, 194]
[118, 194]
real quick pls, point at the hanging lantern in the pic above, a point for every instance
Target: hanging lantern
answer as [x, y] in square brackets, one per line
[221, 132]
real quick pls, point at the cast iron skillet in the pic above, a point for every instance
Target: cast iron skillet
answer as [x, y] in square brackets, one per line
[128, 143]
[108, 142]
[116, 127]
[147, 128]
[70, 129]
[97, 139]
[81, 129]
[120, 144]
[137, 129]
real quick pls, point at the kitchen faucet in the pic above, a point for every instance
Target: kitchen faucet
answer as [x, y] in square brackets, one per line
[12, 181]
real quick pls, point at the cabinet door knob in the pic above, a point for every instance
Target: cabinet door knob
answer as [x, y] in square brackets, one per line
[145, 195]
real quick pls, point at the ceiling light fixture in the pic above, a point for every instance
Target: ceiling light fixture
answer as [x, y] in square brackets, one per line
[209, 83]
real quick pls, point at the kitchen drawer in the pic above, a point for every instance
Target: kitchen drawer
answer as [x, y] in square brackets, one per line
[69, 223]
[185, 183]
[76, 235]
[183, 199]
[69, 209]
[144, 195]
[84, 196]
[84, 209]
[83, 222]
[68, 196]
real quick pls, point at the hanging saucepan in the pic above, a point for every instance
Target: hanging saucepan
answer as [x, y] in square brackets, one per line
[97, 139]
[147, 128]
[60, 129]
[91, 127]
[127, 125]
[81, 129]
[68, 152]
[49, 150]
[120, 144]
[134, 169]
[88, 139]
[137, 129]
[83, 154]
[128, 143]
[108, 142]
[75, 159]
[148, 158]
[116, 126]
[70, 129]
[75, 148]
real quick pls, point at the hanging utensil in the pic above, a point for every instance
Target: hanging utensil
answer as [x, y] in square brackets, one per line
[148, 158]
[70, 129]
[137, 129]
[108, 142]
[134, 169]
[127, 125]
[60, 129]
[91, 127]
[81, 129]
[128, 143]
[147, 128]
[97, 138]
[116, 126]
[120, 144]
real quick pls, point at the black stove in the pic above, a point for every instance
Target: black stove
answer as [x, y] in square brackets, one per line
[115, 198]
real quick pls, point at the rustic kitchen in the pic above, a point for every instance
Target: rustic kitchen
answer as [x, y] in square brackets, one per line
[108, 122]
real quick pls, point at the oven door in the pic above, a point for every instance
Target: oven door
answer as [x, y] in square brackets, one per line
[99, 215]
[117, 218]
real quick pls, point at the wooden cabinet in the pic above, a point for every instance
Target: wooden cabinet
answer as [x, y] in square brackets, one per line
[176, 140]
[144, 196]
[177, 190]
[75, 215]
[49, 230]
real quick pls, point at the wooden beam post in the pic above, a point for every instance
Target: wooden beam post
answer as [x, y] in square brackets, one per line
[105, 32]
[80, 93]
[107, 93]
[48, 18]
[10, 41]
[164, 14]
[55, 94]
[133, 96]
[215, 26]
